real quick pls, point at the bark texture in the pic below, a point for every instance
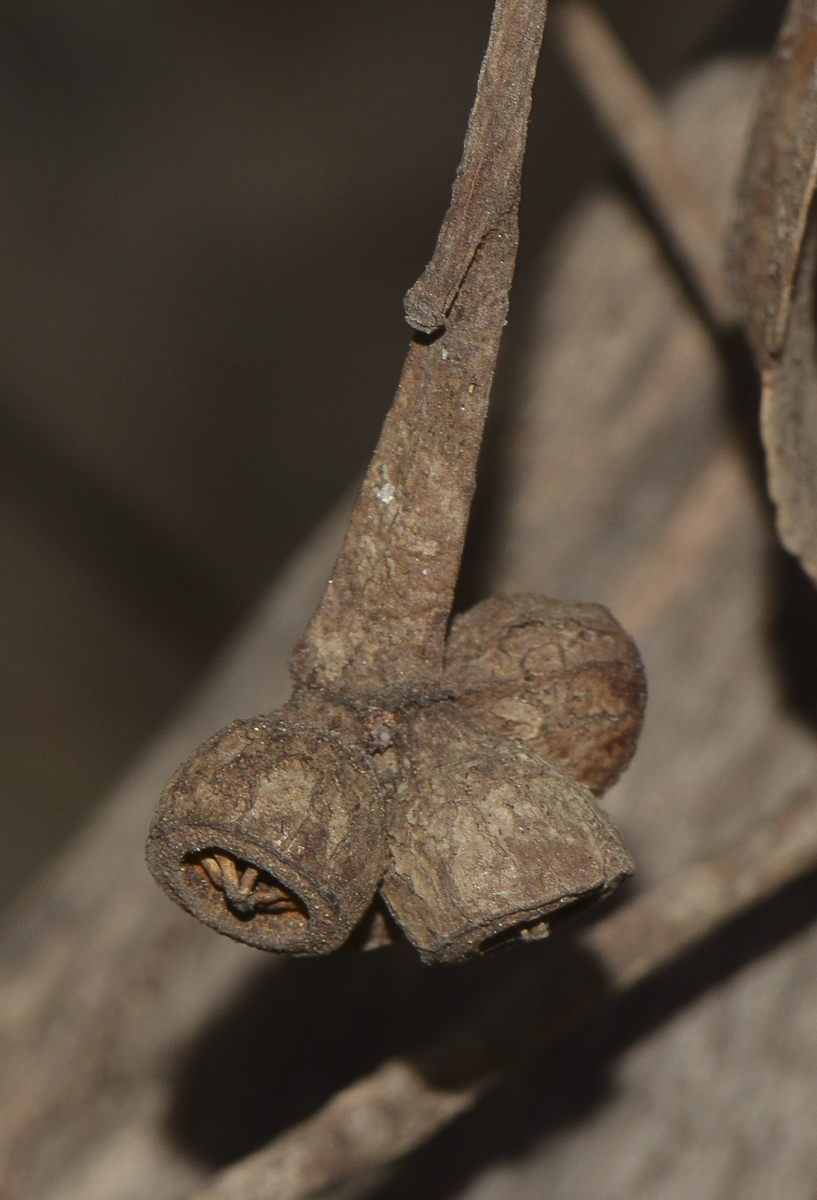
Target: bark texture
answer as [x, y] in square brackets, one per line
[486, 190]
[380, 627]
[379, 631]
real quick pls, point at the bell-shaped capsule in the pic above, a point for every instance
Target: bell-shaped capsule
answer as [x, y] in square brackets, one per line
[563, 678]
[488, 840]
[273, 833]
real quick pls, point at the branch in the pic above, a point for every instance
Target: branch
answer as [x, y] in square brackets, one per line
[407, 1101]
[631, 116]
[380, 627]
[106, 988]
[489, 177]
[297, 830]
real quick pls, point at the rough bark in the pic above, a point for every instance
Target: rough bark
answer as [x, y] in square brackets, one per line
[486, 190]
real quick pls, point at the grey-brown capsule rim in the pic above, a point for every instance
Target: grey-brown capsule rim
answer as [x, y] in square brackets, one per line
[524, 925]
[173, 855]
[223, 801]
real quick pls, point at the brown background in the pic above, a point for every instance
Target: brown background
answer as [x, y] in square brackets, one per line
[208, 215]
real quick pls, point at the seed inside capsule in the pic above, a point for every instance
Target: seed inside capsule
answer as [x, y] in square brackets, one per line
[247, 889]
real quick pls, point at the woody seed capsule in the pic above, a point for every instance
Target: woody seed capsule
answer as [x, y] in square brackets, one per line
[562, 677]
[272, 832]
[488, 840]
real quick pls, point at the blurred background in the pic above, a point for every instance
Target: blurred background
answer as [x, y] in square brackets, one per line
[209, 213]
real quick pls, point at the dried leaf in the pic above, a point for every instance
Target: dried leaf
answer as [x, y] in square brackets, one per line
[773, 274]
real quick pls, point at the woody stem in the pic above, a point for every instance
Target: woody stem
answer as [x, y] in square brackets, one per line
[380, 626]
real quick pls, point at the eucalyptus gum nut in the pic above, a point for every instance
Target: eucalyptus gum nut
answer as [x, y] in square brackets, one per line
[563, 678]
[488, 839]
[272, 833]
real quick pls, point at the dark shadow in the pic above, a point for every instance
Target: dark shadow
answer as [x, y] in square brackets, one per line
[791, 624]
[567, 1084]
[307, 1027]
[749, 29]
[111, 539]
[477, 566]
[792, 635]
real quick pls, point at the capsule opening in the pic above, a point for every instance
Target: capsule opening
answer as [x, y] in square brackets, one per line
[246, 890]
[537, 928]
[525, 931]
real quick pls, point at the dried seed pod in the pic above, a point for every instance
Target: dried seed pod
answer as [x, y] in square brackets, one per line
[488, 839]
[272, 832]
[564, 678]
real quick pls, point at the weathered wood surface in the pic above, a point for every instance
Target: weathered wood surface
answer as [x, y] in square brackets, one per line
[629, 487]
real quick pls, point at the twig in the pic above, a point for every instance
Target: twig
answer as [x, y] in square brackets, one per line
[381, 625]
[407, 1101]
[632, 117]
[486, 189]
[295, 831]
[107, 989]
